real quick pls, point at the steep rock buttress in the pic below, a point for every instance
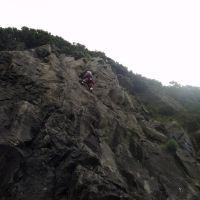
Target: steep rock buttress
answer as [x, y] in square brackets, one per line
[59, 141]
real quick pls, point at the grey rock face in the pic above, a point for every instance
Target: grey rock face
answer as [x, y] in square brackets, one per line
[59, 141]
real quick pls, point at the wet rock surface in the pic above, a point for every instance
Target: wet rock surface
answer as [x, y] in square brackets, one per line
[59, 141]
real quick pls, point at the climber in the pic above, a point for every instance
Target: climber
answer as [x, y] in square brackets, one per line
[88, 80]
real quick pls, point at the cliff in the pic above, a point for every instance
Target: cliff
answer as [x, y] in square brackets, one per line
[58, 141]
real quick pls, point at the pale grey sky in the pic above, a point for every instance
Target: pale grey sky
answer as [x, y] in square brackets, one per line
[159, 39]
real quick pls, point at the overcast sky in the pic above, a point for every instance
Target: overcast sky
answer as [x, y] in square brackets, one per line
[159, 39]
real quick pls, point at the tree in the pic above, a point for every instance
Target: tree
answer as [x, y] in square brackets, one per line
[175, 84]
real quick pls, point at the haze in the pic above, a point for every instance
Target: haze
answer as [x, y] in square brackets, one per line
[158, 39]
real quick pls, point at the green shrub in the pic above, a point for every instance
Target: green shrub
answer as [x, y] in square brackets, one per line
[171, 145]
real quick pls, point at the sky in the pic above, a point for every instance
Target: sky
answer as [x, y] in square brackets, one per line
[159, 39]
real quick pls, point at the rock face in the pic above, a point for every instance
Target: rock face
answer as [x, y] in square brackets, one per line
[59, 141]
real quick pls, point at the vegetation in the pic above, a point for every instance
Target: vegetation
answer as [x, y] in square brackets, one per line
[26, 38]
[171, 146]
